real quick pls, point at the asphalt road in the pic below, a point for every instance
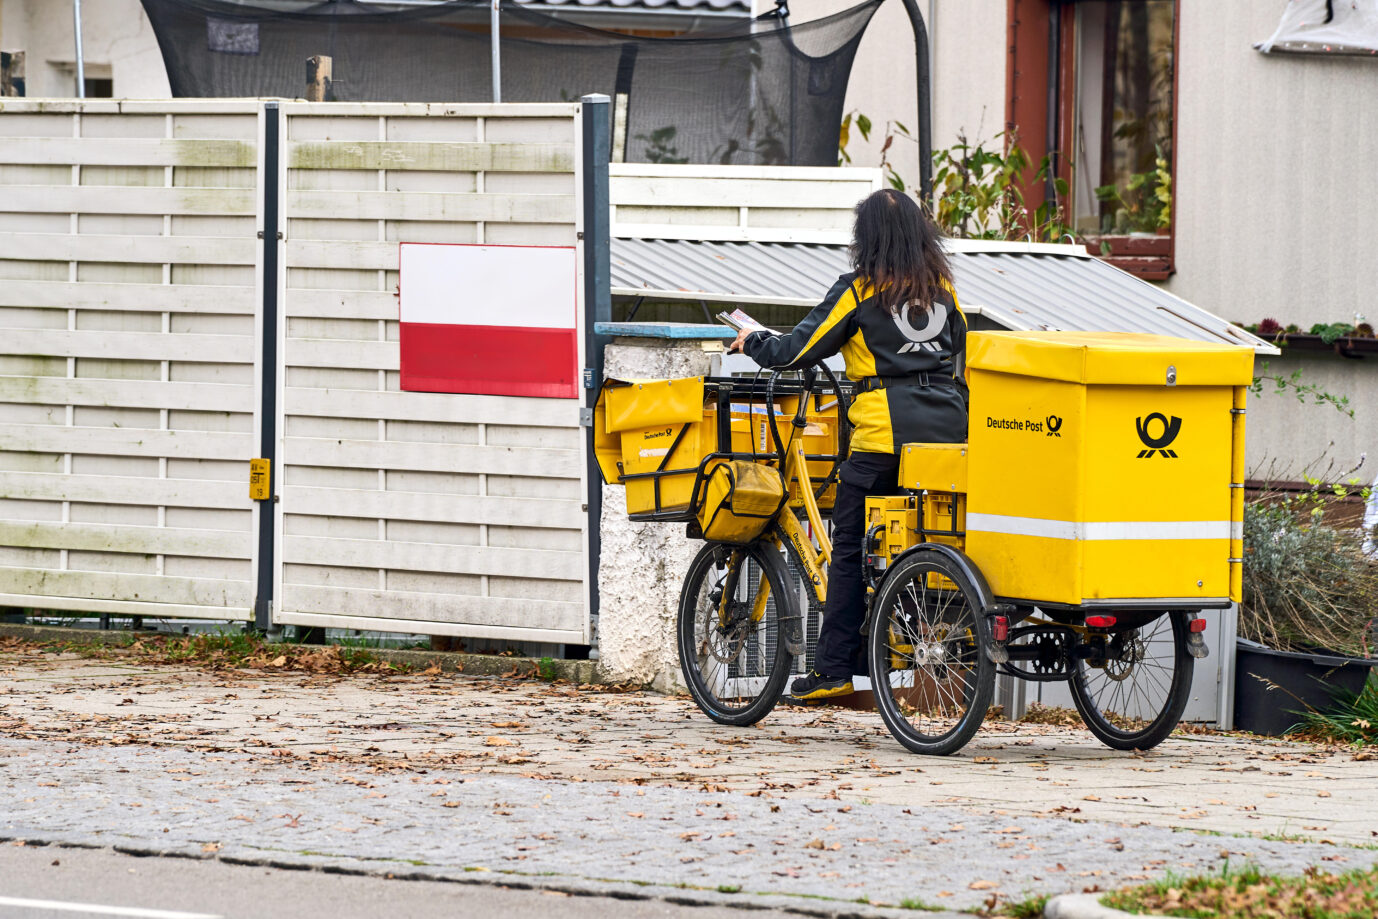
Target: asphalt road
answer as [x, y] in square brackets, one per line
[603, 794]
[70, 883]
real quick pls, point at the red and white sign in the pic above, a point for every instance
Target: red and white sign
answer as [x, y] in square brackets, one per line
[496, 320]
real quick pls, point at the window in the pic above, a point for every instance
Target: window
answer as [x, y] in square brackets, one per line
[1092, 82]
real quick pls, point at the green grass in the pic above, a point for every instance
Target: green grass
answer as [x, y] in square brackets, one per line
[1248, 893]
[1030, 908]
[1351, 719]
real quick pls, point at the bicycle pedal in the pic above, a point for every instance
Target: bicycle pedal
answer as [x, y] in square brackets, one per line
[807, 703]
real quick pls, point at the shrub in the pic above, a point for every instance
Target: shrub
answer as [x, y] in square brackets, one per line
[1306, 585]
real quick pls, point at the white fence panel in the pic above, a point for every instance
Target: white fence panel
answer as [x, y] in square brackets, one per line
[128, 356]
[801, 204]
[405, 511]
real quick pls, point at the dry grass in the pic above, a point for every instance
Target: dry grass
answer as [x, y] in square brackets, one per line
[1249, 894]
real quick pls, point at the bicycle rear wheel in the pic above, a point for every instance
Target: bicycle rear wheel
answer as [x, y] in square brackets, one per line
[1132, 694]
[930, 673]
[733, 609]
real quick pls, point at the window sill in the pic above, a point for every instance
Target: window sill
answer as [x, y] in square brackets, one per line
[1345, 347]
[1144, 256]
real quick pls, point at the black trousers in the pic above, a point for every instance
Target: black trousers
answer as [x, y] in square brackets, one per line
[840, 653]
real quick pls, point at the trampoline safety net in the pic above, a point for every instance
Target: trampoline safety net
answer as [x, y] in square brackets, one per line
[755, 92]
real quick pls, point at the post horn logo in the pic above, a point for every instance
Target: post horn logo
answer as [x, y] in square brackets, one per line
[1160, 443]
[1054, 425]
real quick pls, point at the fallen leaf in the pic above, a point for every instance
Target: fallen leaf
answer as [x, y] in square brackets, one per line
[499, 742]
[982, 885]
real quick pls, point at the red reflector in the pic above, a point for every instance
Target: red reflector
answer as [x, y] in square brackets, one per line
[1100, 622]
[1196, 625]
[1000, 628]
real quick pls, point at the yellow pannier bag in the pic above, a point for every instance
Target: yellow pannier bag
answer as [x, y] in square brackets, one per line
[739, 500]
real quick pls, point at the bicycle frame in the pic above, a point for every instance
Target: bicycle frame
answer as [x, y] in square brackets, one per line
[789, 527]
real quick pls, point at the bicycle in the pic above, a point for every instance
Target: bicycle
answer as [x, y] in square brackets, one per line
[936, 631]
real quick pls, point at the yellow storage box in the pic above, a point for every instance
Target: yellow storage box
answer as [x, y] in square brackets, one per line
[644, 426]
[1106, 467]
[739, 499]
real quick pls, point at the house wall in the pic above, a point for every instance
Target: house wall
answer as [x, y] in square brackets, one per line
[1273, 211]
[117, 43]
[1288, 439]
[1274, 217]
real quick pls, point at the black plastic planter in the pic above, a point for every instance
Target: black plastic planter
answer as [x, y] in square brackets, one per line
[1303, 681]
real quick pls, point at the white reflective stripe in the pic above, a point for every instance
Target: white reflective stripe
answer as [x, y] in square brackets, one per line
[1158, 529]
[1022, 526]
[1097, 531]
[1237, 529]
[63, 906]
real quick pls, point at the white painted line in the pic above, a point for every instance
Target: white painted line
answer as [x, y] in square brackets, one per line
[97, 909]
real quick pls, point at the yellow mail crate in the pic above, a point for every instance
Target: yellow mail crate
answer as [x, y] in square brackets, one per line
[643, 426]
[1100, 466]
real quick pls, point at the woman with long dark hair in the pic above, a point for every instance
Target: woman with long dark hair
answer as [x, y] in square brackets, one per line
[896, 322]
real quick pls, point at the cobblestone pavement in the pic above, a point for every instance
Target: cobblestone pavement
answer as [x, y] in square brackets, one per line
[558, 785]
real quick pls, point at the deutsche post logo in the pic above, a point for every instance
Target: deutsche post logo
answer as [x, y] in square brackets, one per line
[1160, 443]
[1054, 425]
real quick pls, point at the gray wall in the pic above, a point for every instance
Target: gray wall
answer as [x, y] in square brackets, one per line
[1276, 184]
[1287, 439]
[1276, 178]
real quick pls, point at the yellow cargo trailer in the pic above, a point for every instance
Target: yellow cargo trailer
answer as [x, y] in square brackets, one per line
[1101, 470]
[1095, 509]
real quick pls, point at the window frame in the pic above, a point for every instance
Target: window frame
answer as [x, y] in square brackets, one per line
[1040, 98]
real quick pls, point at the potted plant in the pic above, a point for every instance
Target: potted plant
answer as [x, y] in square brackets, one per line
[1310, 598]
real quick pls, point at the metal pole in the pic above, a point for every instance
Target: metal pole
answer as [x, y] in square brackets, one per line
[81, 63]
[497, 53]
[921, 57]
[597, 308]
[268, 368]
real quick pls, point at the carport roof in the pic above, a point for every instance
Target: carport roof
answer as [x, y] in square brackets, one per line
[1014, 285]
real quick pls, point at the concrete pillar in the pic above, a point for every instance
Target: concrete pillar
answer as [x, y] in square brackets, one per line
[642, 565]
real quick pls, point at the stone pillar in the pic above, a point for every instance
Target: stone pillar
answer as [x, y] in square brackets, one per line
[642, 565]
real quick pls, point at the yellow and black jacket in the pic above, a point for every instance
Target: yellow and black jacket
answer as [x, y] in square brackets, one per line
[908, 380]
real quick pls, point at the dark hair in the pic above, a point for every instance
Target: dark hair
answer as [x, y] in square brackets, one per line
[898, 249]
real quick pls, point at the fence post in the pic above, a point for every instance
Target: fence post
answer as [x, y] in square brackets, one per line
[318, 78]
[270, 235]
[597, 139]
[11, 73]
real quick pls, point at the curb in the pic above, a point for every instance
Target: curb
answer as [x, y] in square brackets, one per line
[1085, 906]
[572, 885]
[488, 665]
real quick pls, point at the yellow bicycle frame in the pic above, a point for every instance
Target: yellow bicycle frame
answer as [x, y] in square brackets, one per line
[788, 527]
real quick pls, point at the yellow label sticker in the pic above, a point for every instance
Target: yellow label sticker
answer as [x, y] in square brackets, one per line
[260, 485]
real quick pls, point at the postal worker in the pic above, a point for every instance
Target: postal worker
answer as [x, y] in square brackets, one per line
[895, 320]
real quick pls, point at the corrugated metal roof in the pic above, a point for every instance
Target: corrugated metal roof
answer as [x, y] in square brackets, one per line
[1015, 285]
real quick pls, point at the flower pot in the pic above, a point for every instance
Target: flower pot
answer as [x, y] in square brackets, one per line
[1304, 681]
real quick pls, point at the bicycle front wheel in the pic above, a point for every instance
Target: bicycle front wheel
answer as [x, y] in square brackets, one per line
[733, 610]
[930, 673]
